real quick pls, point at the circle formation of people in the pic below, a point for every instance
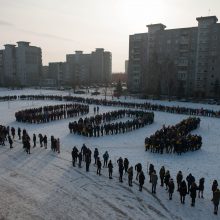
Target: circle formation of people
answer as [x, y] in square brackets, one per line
[51, 113]
[187, 186]
[175, 139]
[100, 124]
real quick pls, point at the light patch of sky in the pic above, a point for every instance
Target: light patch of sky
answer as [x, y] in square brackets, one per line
[60, 27]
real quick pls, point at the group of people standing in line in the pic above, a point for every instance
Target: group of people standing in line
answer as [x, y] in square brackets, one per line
[51, 113]
[183, 187]
[9, 134]
[175, 139]
[105, 102]
[100, 124]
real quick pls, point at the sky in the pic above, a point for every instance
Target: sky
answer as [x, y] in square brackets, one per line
[61, 27]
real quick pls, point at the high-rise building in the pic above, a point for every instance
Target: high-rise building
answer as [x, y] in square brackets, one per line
[101, 66]
[78, 68]
[57, 72]
[22, 64]
[170, 62]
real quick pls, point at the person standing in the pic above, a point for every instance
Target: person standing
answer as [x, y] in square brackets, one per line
[179, 179]
[19, 133]
[193, 189]
[130, 176]
[215, 200]
[96, 154]
[138, 167]
[214, 186]
[183, 191]
[88, 161]
[105, 157]
[99, 166]
[171, 188]
[154, 179]
[162, 174]
[141, 180]
[110, 169]
[10, 141]
[34, 139]
[80, 159]
[120, 169]
[126, 164]
[201, 187]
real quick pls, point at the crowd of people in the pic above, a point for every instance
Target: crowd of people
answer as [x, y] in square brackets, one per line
[175, 139]
[9, 134]
[100, 124]
[184, 187]
[51, 113]
[143, 106]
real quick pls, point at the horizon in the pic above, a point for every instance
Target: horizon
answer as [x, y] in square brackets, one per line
[61, 28]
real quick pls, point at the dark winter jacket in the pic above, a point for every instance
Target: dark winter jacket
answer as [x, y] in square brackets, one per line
[141, 178]
[171, 186]
[193, 190]
[183, 188]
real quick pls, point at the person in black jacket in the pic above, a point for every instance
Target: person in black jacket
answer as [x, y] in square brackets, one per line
[99, 166]
[80, 159]
[171, 188]
[120, 169]
[190, 179]
[193, 189]
[179, 179]
[110, 169]
[201, 187]
[130, 176]
[183, 191]
[10, 141]
[126, 164]
[151, 170]
[34, 139]
[141, 180]
[74, 155]
[138, 168]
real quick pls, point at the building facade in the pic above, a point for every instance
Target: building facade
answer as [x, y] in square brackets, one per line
[181, 61]
[22, 64]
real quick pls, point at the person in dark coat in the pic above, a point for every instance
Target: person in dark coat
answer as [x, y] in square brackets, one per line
[183, 191]
[193, 190]
[19, 133]
[201, 187]
[141, 180]
[13, 132]
[10, 141]
[28, 147]
[151, 170]
[120, 169]
[99, 166]
[154, 179]
[45, 141]
[96, 154]
[130, 175]
[126, 164]
[34, 139]
[179, 179]
[83, 151]
[214, 186]
[74, 155]
[215, 200]
[171, 188]
[162, 174]
[110, 169]
[138, 168]
[80, 159]
[88, 161]
[190, 179]
[105, 157]
[167, 178]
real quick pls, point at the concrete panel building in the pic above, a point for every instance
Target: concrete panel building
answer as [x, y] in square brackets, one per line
[22, 64]
[181, 61]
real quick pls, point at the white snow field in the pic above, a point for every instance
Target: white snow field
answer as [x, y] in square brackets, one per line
[44, 185]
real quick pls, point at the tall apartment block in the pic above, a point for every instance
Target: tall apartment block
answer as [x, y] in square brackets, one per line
[169, 61]
[21, 64]
[101, 66]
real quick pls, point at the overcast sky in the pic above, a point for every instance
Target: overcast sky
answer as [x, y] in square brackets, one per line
[60, 27]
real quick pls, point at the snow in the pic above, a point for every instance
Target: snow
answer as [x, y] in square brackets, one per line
[44, 185]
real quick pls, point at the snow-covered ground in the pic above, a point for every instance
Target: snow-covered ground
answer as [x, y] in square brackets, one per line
[44, 185]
